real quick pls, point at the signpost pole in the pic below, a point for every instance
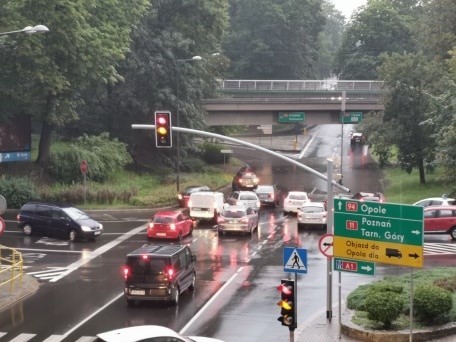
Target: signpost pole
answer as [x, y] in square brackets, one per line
[342, 118]
[329, 230]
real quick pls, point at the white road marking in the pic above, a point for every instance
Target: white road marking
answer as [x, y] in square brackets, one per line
[99, 251]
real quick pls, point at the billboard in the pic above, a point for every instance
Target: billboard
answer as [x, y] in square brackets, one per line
[15, 139]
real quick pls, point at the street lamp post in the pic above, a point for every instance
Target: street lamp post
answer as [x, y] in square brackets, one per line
[176, 66]
[28, 30]
[342, 117]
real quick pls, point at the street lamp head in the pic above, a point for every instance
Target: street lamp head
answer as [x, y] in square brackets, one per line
[39, 29]
[197, 58]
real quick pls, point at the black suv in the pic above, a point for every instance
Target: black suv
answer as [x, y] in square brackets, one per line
[245, 179]
[57, 220]
[159, 273]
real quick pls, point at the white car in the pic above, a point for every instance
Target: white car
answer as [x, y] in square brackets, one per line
[294, 200]
[433, 201]
[312, 214]
[149, 333]
[248, 199]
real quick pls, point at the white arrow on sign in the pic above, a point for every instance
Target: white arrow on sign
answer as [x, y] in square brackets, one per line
[366, 268]
[416, 232]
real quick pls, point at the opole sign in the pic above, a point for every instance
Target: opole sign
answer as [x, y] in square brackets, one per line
[381, 232]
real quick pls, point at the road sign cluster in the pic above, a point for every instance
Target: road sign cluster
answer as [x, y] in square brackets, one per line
[379, 232]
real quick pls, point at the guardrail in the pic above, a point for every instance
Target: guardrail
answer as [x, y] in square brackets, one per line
[300, 85]
[11, 267]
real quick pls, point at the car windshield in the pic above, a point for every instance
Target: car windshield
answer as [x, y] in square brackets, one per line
[75, 213]
[163, 219]
[233, 213]
[314, 209]
[300, 197]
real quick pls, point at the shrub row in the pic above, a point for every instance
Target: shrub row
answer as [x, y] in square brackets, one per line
[384, 303]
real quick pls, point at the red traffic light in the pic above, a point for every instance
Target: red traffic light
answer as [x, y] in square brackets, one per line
[163, 136]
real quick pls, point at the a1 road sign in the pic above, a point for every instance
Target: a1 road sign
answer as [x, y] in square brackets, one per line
[354, 266]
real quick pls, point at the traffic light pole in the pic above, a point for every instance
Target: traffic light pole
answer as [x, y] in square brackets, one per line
[329, 230]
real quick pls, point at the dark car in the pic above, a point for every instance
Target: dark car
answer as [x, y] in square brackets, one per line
[184, 196]
[57, 220]
[440, 220]
[369, 196]
[269, 195]
[245, 179]
[357, 138]
[159, 273]
[169, 224]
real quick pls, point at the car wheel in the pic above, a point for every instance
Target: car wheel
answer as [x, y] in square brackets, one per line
[192, 285]
[73, 236]
[27, 229]
[453, 233]
[175, 299]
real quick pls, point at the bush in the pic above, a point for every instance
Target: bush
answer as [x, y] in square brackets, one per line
[17, 191]
[211, 153]
[102, 155]
[432, 304]
[383, 306]
[356, 299]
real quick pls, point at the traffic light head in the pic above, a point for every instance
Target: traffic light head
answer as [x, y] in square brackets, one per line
[163, 136]
[287, 303]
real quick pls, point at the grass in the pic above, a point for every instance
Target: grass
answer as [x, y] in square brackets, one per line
[401, 187]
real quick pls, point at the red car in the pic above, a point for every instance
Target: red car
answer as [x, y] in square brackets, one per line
[440, 220]
[169, 225]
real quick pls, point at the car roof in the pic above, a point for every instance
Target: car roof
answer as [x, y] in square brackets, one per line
[234, 207]
[297, 192]
[438, 207]
[164, 250]
[167, 213]
[137, 333]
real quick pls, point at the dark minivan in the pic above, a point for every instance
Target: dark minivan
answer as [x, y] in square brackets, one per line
[159, 273]
[57, 220]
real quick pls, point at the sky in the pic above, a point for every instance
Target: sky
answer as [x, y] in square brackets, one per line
[348, 6]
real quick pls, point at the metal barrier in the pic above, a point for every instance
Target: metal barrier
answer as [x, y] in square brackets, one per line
[11, 267]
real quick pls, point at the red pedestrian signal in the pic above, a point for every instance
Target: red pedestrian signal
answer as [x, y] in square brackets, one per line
[163, 136]
[287, 303]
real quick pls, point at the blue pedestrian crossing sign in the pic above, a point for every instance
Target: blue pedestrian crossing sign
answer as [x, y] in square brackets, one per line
[295, 260]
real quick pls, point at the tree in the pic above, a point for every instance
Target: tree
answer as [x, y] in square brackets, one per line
[86, 41]
[281, 43]
[158, 74]
[380, 28]
[410, 80]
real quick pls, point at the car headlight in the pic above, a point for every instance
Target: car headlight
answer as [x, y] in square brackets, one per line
[86, 229]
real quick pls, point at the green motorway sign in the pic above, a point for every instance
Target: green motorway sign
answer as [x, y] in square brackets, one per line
[386, 222]
[351, 117]
[285, 117]
[354, 266]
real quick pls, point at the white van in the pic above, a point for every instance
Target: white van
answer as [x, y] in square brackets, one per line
[205, 205]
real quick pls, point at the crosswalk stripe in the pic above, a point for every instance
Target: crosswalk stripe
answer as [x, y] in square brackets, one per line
[54, 338]
[86, 339]
[23, 338]
[439, 248]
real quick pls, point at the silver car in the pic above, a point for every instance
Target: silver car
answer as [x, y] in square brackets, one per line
[312, 214]
[237, 218]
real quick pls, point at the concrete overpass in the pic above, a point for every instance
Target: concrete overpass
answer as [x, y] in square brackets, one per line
[267, 102]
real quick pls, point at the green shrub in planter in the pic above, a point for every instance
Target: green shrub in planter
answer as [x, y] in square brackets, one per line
[17, 191]
[432, 304]
[383, 306]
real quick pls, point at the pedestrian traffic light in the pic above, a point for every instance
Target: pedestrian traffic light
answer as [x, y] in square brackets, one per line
[287, 303]
[163, 136]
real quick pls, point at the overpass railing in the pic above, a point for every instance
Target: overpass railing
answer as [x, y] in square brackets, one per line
[299, 85]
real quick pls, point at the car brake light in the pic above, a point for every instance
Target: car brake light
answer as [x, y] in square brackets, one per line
[271, 196]
[170, 273]
[126, 272]
[220, 219]
[151, 225]
[189, 203]
[179, 196]
[145, 257]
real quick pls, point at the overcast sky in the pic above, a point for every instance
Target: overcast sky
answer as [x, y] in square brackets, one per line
[348, 6]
